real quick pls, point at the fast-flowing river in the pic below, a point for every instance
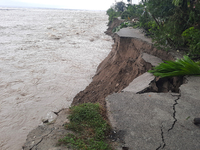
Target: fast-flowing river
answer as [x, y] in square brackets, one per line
[46, 57]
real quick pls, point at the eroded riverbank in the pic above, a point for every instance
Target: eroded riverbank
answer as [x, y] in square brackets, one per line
[124, 63]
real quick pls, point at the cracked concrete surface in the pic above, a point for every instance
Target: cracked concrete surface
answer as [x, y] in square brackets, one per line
[174, 113]
[158, 120]
[184, 132]
[163, 139]
[45, 137]
[140, 116]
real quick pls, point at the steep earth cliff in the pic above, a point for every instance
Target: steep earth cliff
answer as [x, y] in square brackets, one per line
[123, 64]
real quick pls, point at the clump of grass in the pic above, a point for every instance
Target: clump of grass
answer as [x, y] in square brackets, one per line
[180, 67]
[89, 126]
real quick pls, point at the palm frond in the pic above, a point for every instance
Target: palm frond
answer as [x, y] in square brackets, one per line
[180, 67]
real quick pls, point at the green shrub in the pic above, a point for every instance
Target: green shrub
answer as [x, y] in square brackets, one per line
[90, 128]
[126, 15]
[122, 25]
[120, 6]
[192, 36]
[112, 14]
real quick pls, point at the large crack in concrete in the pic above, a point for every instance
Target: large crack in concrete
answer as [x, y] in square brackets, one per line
[174, 113]
[162, 146]
[159, 147]
[162, 135]
[163, 140]
[35, 145]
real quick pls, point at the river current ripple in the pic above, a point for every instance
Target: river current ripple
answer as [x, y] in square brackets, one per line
[46, 58]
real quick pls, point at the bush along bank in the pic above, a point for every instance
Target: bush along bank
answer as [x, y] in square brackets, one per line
[172, 24]
[89, 126]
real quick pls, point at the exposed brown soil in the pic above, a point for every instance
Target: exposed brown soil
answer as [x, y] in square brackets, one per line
[116, 22]
[164, 85]
[123, 64]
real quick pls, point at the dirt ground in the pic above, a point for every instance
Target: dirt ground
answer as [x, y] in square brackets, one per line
[123, 64]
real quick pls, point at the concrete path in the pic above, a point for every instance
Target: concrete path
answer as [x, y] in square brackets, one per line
[155, 121]
[158, 120]
[133, 33]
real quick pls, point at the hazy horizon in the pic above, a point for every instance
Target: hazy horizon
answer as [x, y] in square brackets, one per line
[60, 4]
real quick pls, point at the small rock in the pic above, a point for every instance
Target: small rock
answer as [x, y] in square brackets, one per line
[49, 117]
[32, 143]
[45, 120]
[67, 121]
[91, 40]
[197, 121]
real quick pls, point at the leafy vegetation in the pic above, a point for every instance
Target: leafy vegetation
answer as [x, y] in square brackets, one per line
[125, 12]
[89, 126]
[173, 18]
[120, 6]
[112, 14]
[172, 24]
[122, 25]
[180, 67]
[192, 37]
[132, 11]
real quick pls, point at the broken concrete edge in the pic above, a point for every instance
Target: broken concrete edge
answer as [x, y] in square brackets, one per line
[153, 60]
[180, 99]
[130, 32]
[141, 83]
[147, 82]
[117, 21]
[49, 133]
[144, 81]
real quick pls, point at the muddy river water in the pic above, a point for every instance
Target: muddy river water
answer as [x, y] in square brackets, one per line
[46, 58]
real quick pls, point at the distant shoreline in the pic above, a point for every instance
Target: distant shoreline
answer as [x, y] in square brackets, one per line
[14, 8]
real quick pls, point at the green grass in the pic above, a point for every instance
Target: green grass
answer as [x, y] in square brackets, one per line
[180, 67]
[89, 127]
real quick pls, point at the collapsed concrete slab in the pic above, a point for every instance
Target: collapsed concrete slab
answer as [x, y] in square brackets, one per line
[143, 82]
[133, 33]
[140, 83]
[157, 120]
[153, 60]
